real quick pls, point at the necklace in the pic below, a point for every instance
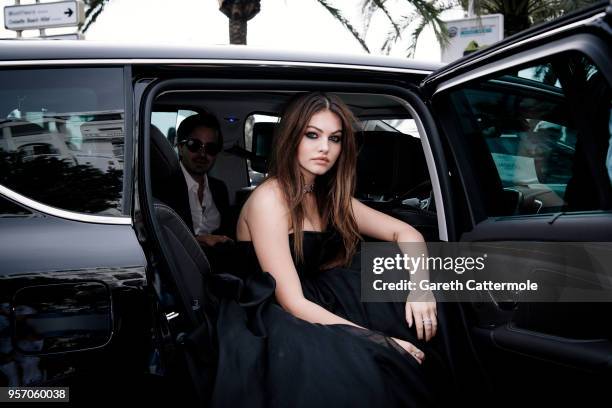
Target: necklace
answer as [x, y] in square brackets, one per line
[308, 188]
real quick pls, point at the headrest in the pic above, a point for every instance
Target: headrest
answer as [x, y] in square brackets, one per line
[389, 163]
[164, 160]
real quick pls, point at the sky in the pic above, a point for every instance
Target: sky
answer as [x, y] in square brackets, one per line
[281, 24]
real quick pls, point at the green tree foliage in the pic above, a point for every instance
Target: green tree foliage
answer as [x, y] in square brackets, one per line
[415, 16]
[522, 14]
[410, 22]
[420, 13]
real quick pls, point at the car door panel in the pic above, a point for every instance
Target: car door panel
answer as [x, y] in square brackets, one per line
[71, 292]
[553, 227]
[523, 343]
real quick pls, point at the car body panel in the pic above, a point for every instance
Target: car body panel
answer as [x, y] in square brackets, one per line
[67, 252]
[522, 343]
[52, 248]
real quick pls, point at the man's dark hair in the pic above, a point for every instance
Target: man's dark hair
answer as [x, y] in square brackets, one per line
[189, 124]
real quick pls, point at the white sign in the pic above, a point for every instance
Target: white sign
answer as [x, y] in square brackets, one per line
[72, 36]
[44, 15]
[468, 33]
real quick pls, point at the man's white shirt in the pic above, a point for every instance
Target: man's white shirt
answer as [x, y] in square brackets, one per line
[205, 215]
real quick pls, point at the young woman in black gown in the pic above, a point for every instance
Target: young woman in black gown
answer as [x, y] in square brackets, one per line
[294, 331]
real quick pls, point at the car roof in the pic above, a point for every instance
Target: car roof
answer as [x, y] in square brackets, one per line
[38, 50]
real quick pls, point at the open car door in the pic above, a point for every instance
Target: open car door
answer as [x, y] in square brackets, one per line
[527, 124]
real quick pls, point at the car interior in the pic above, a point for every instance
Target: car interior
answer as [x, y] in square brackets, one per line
[391, 169]
[515, 132]
[392, 177]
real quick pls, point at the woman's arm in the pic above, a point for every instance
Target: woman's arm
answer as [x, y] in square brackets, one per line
[267, 219]
[386, 228]
[382, 226]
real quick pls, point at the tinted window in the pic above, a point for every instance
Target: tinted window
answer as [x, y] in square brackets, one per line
[258, 134]
[545, 129]
[62, 137]
[168, 121]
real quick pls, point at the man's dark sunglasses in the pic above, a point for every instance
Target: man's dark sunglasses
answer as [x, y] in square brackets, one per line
[195, 146]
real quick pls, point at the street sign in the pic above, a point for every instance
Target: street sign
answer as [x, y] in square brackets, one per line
[44, 15]
[468, 34]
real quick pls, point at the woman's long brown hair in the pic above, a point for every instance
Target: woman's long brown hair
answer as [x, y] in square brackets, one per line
[334, 190]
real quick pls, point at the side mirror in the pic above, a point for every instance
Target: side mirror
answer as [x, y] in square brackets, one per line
[62, 317]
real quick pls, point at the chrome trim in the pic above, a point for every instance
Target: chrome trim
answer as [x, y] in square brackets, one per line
[431, 167]
[69, 215]
[457, 81]
[171, 315]
[203, 61]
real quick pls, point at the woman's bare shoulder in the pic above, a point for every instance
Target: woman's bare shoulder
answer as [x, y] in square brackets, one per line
[265, 203]
[267, 198]
[269, 193]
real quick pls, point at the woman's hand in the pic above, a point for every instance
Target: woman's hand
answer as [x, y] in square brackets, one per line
[418, 355]
[421, 310]
[210, 240]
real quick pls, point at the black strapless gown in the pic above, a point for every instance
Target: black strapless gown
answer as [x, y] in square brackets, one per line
[269, 358]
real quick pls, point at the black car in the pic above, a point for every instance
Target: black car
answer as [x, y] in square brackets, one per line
[102, 286]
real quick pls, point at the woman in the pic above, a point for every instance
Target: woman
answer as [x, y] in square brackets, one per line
[318, 345]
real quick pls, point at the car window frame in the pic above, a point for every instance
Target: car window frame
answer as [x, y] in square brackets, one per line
[406, 95]
[126, 214]
[590, 45]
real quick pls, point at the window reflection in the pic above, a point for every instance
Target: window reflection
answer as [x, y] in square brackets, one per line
[62, 137]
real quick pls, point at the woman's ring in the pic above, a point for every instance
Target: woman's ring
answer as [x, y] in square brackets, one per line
[427, 321]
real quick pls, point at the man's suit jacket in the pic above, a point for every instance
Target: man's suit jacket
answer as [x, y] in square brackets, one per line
[220, 196]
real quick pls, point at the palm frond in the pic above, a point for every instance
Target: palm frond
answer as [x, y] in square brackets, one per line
[93, 8]
[429, 12]
[415, 37]
[338, 16]
[380, 5]
[368, 9]
[392, 36]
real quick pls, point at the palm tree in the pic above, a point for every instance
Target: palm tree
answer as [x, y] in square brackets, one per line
[419, 13]
[239, 12]
[518, 15]
[340, 17]
[522, 14]
[426, 12]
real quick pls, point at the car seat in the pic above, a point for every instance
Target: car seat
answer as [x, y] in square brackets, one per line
[167, 181]
[188, 272]
[389, 165]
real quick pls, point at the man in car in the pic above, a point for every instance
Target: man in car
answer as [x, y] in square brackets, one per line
[199, 141]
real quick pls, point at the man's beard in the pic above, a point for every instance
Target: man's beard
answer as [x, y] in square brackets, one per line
[199, 168]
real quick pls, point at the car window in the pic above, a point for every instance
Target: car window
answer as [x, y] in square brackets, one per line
[62, 137]
[168, 121]
[258, 133]
[545, 129]
[406, 126]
